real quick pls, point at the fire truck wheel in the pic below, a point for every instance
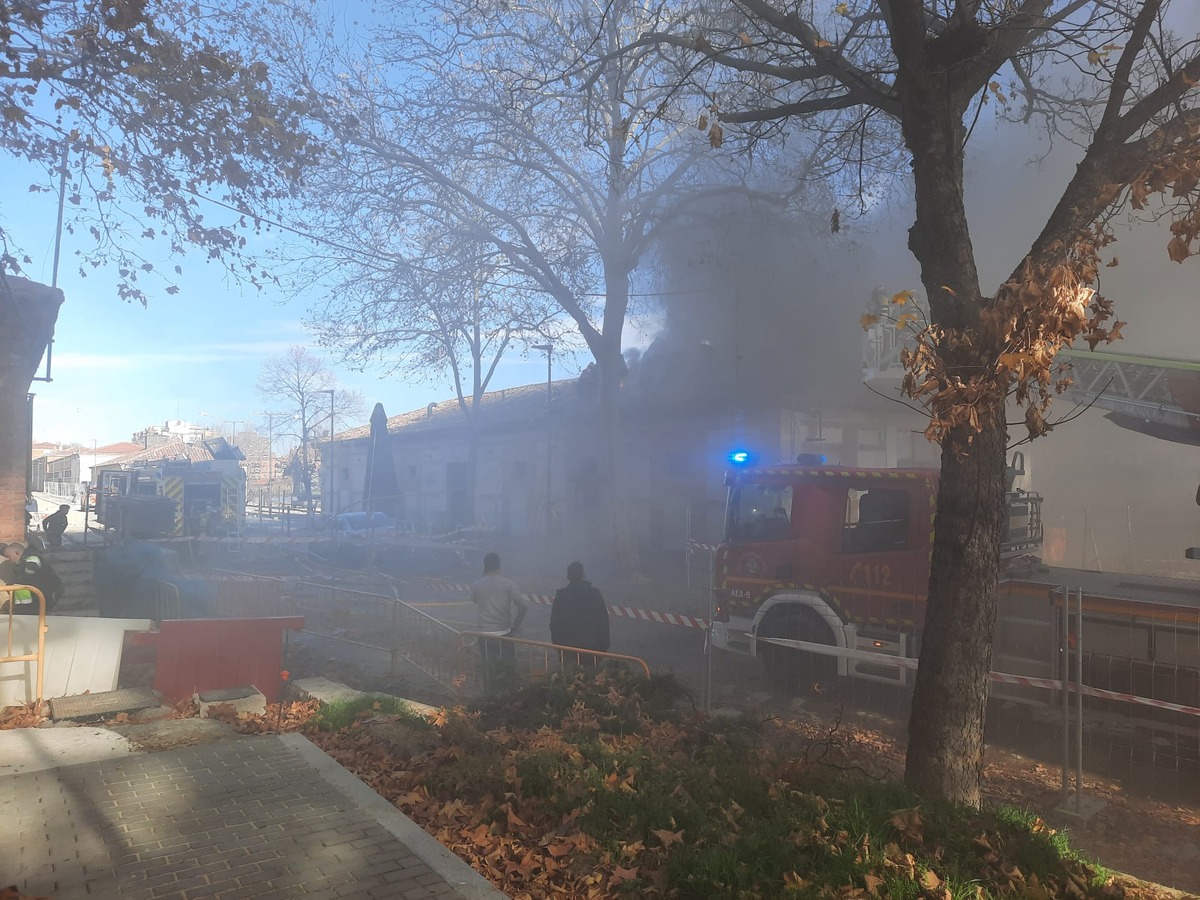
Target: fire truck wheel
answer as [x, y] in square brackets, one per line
[795, 669]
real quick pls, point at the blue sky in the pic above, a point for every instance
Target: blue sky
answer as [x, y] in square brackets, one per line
[118, 367]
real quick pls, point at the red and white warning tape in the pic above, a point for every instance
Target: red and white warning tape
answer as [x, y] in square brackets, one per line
[621, 612]
[436, 584]
[255, 539]
[1089, 691]
[664, 618]
[903, 662]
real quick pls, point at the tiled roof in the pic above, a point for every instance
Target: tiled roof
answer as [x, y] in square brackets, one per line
[515, 406]
[176, 449]
[119, 447]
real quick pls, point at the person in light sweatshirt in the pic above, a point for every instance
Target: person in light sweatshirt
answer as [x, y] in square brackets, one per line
[501, 608]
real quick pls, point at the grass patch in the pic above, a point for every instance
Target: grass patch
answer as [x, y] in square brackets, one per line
[339, 714]
[602, 784]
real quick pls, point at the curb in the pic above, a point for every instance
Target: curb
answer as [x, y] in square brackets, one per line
[468, 883]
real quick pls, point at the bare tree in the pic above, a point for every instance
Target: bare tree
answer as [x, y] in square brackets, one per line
[476, 122]
[444, 307]
[135, 112]
[298, 383]
[1110, 76]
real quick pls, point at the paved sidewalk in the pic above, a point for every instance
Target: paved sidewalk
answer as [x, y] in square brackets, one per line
[264, 816]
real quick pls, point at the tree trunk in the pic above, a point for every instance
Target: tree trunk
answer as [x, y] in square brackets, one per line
[945, 744]
[306, 474]
[30, 311]
[612, 374]
[472, 487]
[945, 740]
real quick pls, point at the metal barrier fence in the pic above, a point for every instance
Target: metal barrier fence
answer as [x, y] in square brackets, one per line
[380, 622]
[250, 598]
[386, 623]
[1141, 675]
[1140, 719]
[526, 660]
[698, 565]
[38, 656]
[165, 602]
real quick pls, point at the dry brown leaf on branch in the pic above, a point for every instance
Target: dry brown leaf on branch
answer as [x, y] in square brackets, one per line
[1179, 249]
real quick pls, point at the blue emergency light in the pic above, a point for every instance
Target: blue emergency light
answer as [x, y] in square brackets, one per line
[811, 459]
[740, 458]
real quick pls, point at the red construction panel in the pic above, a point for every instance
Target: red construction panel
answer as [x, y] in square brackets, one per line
[210, 654]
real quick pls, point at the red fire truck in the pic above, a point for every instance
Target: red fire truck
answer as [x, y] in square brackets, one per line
[840, 556]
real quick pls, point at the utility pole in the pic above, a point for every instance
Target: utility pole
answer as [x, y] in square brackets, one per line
[233, 423]
[548, 349]
[270, 450]
[332, 497]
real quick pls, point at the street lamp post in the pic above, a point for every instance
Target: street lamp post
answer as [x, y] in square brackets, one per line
[332, 499]
[270, 451]
[548, 349]
[233, 423]
[92, 479]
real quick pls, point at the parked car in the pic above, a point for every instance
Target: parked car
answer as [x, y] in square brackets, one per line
[360, 524]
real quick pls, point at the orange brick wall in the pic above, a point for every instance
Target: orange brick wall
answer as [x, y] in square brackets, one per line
[29, 311]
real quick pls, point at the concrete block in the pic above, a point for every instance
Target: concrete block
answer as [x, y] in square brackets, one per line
[103, 703]
[324, 690]
[245, 700]
[1076, 810]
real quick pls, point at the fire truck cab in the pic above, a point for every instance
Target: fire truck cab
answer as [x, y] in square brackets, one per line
[837, 556]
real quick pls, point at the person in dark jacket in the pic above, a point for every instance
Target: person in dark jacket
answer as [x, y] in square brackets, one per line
[579, 618]
[55, 524]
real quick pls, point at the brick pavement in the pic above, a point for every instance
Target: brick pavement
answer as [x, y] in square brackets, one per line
[262, 816]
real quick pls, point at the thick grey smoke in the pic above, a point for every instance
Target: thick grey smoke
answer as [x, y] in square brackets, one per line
[1115, 499]
[761, 309]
